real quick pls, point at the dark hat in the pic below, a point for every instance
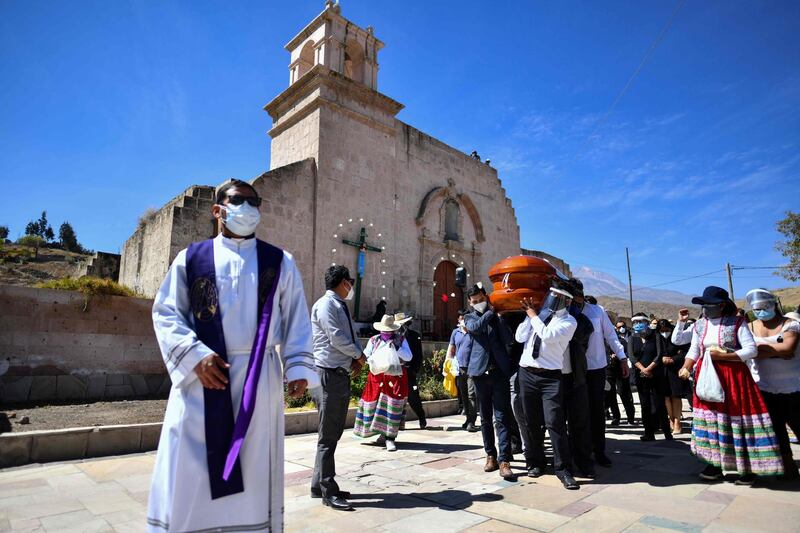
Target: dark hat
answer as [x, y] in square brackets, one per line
[712, 296]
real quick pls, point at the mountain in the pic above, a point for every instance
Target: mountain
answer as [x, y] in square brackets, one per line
[603, 284]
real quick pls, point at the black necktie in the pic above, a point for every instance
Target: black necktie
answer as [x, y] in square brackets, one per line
[537, 342]
[349, 321]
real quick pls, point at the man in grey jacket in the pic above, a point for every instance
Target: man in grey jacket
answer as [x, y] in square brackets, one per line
[337, 353]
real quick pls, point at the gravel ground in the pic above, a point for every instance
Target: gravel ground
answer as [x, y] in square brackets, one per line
[82, 415]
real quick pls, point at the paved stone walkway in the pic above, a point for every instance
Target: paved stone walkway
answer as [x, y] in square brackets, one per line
[435, 482]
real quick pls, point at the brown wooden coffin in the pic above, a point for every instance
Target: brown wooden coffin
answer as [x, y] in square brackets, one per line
[517, 277]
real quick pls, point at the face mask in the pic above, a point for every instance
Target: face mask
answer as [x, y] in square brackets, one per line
[653, 326]
[712, 311]
[387, 336]
[241, 219]
[764, 314]
[639, 327]
[665, 334]
[622, 331]
[350, 294]
[481, 307]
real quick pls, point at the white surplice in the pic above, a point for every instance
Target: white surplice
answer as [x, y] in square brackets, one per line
[180, 495]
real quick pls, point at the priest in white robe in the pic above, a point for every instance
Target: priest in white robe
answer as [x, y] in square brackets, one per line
[220, 456]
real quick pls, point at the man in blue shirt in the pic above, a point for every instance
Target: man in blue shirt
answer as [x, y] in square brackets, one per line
[337, 354]
[459, 348]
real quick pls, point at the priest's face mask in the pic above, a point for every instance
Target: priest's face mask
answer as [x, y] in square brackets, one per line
[238, 211]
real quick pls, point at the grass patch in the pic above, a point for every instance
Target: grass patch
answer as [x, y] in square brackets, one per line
[89, 286]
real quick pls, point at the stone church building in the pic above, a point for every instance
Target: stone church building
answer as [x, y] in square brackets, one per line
[341, 161]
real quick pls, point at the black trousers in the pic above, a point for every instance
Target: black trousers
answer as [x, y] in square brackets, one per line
[784, 409]
[576, 407]
[332, 403]
[414, 401]
[621, 386]
[543, 403]
[654, 410]
[596, 389]
[494, 402]
[466, 393]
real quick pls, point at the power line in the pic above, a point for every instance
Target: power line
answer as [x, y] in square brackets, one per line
[636, 72]
[707, 274]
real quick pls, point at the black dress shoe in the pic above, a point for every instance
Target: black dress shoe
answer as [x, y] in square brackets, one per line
[317, 493]
[568, 481]
[602, 459]
[614, 423]
[647, 437]
[423, 424]
[534, 471]
[588, 473]
[337, 503]
[669, 436]
[472, 428]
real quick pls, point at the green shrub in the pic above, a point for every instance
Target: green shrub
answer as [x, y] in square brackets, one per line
[89, 286]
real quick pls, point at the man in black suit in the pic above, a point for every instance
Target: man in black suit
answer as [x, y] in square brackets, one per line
[491, 368]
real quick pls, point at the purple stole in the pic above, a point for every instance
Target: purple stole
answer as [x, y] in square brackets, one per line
[224, 438]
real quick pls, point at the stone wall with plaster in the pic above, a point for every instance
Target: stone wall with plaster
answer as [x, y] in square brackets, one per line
[59, 345]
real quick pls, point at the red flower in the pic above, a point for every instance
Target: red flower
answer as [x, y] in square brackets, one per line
[445, 298]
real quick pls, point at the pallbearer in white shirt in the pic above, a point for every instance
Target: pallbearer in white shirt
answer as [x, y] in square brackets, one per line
[231, 320]
[546, 335]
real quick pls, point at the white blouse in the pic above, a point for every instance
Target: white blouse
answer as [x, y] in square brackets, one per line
[776, 375]
[747, 351]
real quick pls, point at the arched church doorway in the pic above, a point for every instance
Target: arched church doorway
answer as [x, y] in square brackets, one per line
[447, 300]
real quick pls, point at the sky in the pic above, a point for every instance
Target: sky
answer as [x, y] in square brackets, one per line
[671, 128]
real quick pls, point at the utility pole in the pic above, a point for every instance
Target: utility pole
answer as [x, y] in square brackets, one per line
[730, 281]
[630, 282]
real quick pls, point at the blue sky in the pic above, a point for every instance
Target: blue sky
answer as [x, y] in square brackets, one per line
[108, 108]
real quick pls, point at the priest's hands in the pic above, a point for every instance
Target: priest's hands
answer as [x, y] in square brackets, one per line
[297, 387]
[209, 372]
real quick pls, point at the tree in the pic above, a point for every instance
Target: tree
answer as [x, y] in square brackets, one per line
[3, 233]
[40, 228]
[790, 248]
[69, 241]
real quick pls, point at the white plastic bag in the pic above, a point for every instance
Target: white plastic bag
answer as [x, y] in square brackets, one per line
[708, 386]
[385, 360]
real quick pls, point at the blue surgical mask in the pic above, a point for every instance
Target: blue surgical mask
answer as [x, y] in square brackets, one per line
[764, 314]
[640, 327]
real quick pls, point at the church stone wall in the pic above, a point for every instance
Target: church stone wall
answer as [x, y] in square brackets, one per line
[287, 215]
[147, 254]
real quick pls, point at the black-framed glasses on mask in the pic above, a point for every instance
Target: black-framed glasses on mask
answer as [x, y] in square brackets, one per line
[238, 199]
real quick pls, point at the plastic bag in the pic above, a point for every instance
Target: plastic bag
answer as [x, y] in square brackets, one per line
[708, 387]
[449, 383]
[384, 360]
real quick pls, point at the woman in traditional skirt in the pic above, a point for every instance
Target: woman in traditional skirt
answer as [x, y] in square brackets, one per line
[736, 434]
[380, 409]
[777, 369]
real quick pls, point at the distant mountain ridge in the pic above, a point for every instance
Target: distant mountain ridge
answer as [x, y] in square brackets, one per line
[599, 283]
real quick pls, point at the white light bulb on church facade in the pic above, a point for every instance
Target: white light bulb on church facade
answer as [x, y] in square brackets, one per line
[383, 273]
[340, 225]
[361, 220]
[349, 219]
[452, 295]
[333, 264]
[370, 224]
[380, 234]
[383, 286]
[383, 247]
[334, 250]
[335, 236]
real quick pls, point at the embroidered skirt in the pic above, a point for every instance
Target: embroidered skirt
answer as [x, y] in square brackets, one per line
[380, 409]
[736, 435]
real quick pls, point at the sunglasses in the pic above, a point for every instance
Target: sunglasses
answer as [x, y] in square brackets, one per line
[238, 199]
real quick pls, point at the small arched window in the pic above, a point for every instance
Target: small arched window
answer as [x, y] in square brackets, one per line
[451, 213]
[306, 58]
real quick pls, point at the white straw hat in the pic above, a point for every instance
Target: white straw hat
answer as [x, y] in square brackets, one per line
[401, 318]
[387, 323]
